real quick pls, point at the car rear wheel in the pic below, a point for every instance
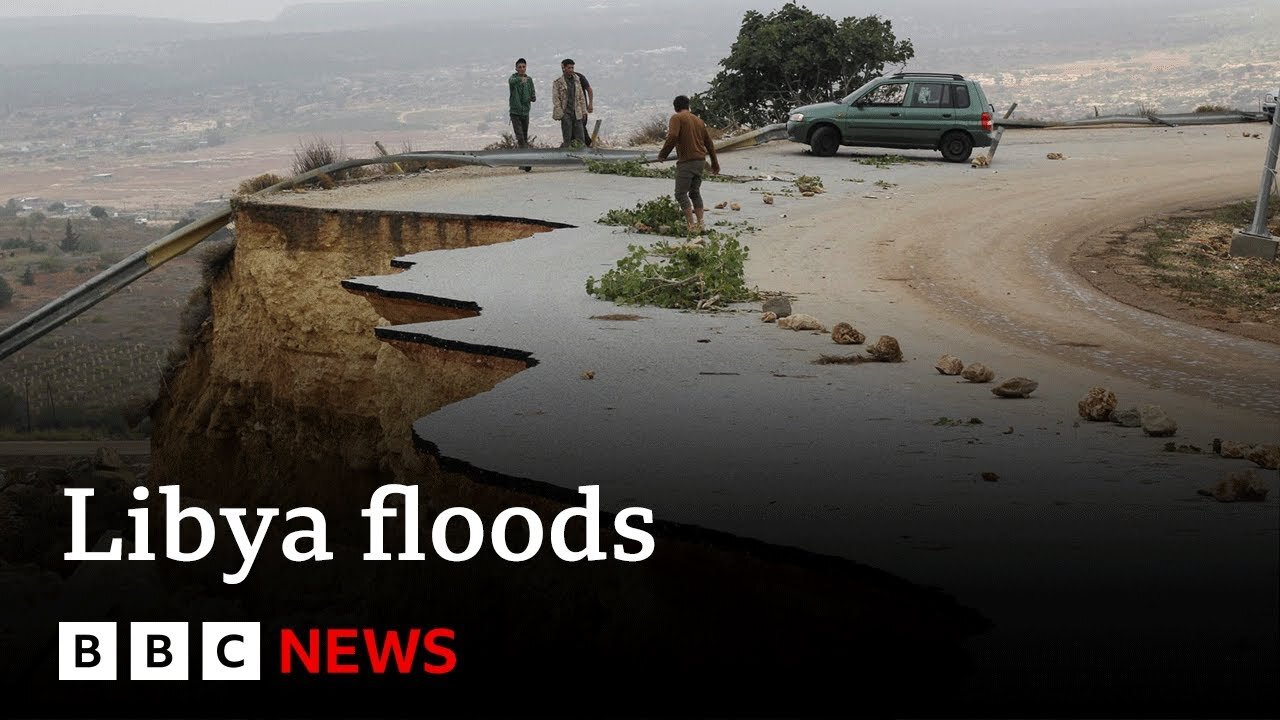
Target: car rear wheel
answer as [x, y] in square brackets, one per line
[956, 146]
[825, 141]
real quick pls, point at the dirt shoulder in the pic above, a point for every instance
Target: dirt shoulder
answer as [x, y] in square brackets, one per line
[1180, 267]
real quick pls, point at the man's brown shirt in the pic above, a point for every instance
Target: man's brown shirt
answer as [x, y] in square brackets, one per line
[688, 135]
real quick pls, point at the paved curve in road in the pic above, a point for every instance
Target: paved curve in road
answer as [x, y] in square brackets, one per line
[721, 421]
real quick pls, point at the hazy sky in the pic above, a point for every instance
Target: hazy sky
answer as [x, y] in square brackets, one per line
[200, 10]
[232, 10]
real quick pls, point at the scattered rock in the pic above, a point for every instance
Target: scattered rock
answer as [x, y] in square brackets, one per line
[588, 374]
[1241, 486]
[722, 204]
[1175, 447]
[990, 476]
[106, 458]
[768, 199]
[981, 161]
[846, 334]
[807, 193]
[1156, 422]
[800, 322]
[886, 349]
[978, 373]
[735, 206]
[1016, 387]
[1008, 431]
[778, 306]
[949, 365]
[1056, 156]
[1127, 418]
[1266, 456]
[769, 317]
[1231, 449]
[1097, 404]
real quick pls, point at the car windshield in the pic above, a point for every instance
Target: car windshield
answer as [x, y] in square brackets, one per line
[848, 99]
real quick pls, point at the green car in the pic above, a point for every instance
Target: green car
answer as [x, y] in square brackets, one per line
[921, 111]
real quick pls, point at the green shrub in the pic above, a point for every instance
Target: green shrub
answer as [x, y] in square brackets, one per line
[630, 168]
[650, 215]
[698, 276]
[636, 168]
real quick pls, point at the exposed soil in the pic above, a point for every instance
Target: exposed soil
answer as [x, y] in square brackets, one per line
[1180, 267]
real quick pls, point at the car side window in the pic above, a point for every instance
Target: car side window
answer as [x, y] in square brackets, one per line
[928, 95]
[889, 94]
[959, 96]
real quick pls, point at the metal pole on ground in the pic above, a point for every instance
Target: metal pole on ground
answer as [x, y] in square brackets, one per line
[1256, 241]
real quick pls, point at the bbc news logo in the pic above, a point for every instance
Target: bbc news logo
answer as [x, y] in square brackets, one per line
[159, 651]
[233, 651]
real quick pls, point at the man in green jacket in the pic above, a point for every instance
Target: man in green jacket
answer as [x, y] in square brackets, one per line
[522, 94]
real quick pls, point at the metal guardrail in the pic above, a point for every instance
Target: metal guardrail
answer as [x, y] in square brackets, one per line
[1170, 120]
[109, 281]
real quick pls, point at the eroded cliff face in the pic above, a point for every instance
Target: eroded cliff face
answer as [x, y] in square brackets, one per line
[287, 397]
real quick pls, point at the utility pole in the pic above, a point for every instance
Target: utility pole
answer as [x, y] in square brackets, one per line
[1256, 241]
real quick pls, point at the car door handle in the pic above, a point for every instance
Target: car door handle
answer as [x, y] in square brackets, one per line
[893, 114]
[946, 114]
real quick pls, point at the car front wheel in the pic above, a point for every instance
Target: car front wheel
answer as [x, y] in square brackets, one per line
[825, 141]
[956, 146]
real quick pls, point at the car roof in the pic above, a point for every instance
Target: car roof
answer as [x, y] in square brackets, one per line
[950, 76]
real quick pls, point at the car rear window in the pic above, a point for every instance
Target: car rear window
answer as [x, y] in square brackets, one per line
[928, 95]
[939, 95]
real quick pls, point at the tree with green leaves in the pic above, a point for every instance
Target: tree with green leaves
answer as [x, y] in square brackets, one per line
[28, 277]
[6, 292]
[70, 239]
[98, 212]
[794, 57]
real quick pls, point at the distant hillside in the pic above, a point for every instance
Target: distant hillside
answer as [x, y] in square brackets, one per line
[454, 53]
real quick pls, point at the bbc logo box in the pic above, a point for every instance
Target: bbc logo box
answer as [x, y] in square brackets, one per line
[160, 651]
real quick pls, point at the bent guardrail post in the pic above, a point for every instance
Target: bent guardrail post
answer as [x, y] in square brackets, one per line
[995, 139]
